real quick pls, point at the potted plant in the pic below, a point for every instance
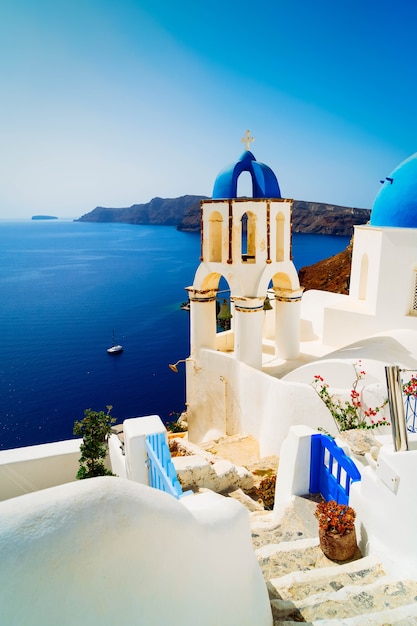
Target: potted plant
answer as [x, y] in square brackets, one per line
[336, 530]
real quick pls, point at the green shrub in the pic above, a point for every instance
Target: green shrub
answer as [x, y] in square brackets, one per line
[95, 429]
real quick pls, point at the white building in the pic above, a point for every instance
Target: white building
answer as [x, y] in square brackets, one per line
[248, 379]
[256, 378]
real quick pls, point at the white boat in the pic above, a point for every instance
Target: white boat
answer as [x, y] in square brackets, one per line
[115, 348]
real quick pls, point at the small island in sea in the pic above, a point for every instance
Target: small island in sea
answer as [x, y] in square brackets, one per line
[44, 217]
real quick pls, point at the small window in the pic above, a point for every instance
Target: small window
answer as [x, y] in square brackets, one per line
[363, 278]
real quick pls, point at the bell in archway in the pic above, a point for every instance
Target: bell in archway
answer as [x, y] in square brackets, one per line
[267, 304]
[224, 313]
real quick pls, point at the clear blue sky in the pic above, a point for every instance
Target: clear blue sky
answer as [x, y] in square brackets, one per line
[114, 102]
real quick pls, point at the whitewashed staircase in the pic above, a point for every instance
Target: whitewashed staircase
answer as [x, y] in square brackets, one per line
[305, 586]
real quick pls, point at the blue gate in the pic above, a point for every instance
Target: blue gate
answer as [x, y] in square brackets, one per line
[331, 471]
[162, 474]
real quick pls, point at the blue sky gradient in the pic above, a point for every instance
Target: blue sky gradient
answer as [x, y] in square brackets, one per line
[112, 103]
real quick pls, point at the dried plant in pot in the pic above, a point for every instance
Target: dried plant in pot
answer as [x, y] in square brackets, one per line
[336, 530]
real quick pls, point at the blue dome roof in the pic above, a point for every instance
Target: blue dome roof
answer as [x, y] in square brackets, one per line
[396, 202]
[264, 181]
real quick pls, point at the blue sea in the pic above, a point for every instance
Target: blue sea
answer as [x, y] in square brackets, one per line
[65, 287]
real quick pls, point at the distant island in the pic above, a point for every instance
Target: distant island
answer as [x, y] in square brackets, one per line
[44, 217]
[184, 213]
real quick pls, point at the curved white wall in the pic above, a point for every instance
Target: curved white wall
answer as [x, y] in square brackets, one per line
[107, 551]
[227, 397]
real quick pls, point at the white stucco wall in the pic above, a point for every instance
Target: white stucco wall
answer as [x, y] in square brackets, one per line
[135, 431]
[380, 299]
[293, 478]
[227, 397]
[31, 468]
[107, 551]
[117, 457]
[388, 526]
[313, 304]
[28, 469]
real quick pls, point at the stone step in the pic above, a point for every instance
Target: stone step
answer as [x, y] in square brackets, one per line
[280, 559]
[301, 584]
[295, 523]
[401, 616]
[348, 602]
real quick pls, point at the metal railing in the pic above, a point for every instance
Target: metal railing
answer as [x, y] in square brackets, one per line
[409, 389]
[410, 405]
[331, 471]
[396, 405]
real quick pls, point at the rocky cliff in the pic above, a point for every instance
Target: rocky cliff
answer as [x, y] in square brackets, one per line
[159, 211]
[184, 213]
[331, 274]
[326, 219]
[307, 217]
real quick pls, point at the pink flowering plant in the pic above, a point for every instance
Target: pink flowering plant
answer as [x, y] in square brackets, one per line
[351, 413]
[410, 387]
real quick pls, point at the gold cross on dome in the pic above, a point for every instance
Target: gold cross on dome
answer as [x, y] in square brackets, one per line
[247, 140]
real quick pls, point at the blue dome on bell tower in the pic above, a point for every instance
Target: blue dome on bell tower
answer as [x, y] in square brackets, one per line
[264, 181]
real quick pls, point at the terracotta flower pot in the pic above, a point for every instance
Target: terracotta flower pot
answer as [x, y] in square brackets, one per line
[338, 547]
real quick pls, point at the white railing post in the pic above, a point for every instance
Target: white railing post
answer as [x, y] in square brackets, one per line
[396, 405]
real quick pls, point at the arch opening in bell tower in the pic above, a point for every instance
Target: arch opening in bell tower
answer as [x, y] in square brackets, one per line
[215, 237]
[280, 237]
[244, 185]
[248, 237]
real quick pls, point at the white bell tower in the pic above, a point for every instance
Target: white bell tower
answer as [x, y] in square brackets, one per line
[247, 241]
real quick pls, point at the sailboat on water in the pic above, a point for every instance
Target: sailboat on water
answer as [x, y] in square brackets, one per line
[115, 348]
